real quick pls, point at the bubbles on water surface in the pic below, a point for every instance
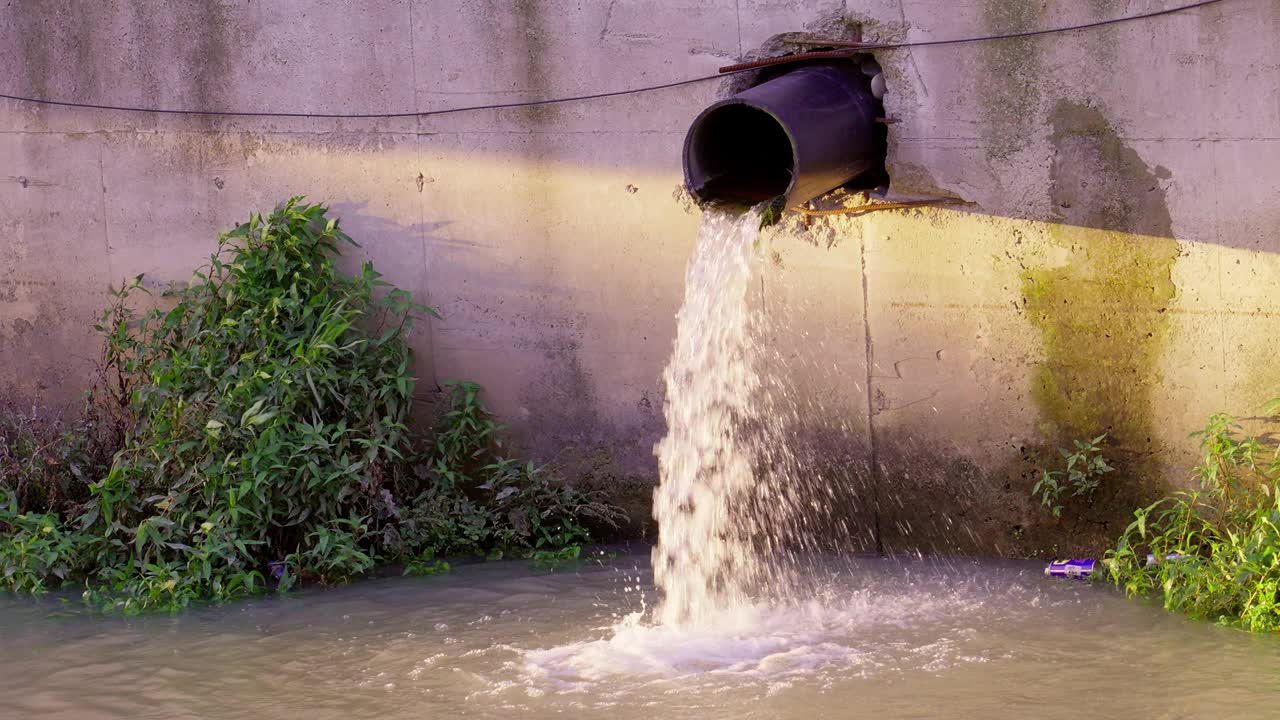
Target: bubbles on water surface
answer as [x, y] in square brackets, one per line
[872, 619]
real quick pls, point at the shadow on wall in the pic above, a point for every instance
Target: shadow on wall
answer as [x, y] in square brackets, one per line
[390, 246]
[512, 328]
[536, 317]
[1113, 296]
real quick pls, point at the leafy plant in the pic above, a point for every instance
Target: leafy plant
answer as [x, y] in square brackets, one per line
[772, 213]
[271, 402]
[1080, 476]
[262, 428]
[47, 463]
[1214, 552]
[334, 553]
[554, 559]
[477, 499]
[426, 564]
[37, 548]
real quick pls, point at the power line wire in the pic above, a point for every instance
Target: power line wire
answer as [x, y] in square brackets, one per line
[730, 70]
[855, 48]
[424, 113]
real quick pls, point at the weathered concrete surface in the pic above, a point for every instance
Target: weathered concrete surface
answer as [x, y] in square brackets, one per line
[1115, 271]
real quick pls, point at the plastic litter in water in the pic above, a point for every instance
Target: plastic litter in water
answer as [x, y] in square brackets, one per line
[1084, 567]
[1079, 568]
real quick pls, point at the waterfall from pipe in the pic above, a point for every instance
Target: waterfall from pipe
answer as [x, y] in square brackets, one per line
[755, 486]
[709, 504]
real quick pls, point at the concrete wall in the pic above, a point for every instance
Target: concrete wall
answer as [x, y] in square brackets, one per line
[1115, 269]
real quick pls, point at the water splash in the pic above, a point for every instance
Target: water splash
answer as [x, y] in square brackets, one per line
[869, 618]
[740, 507]
[706, 559]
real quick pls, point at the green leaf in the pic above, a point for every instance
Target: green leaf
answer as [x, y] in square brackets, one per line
[253, 410]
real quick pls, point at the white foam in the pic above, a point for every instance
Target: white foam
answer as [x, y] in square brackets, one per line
[772, 643]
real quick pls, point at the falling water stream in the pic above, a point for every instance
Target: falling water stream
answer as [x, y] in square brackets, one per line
[735, 613]
[706, 560]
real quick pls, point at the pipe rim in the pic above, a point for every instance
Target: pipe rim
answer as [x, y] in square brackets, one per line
[758, 107]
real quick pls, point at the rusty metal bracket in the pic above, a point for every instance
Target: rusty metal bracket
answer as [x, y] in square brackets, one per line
[788, 59]
[873, 207]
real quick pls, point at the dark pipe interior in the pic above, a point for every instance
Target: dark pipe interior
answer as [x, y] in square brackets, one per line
[745, 154]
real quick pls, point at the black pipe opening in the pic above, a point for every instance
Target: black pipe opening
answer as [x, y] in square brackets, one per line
[743, 152]
[791, 137]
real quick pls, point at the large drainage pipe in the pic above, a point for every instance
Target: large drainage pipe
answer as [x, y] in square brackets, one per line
[798, 135]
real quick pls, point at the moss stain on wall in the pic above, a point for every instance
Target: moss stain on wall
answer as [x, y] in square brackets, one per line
[1102, 314]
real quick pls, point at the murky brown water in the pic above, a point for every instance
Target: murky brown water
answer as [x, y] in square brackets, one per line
[882, 639]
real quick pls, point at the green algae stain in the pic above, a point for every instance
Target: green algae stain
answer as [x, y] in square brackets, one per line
[1102, 328]
[1102, 315]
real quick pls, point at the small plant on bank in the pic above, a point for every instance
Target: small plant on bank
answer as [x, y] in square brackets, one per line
[551, 560]
[37, 550]
[266, 438]
[426, 564]
[1213, 552]
[1080, 476]
[476, 500]
[47, 463]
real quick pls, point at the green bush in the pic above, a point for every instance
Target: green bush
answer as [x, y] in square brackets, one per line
[269, 440]
[1214, 551]
[272, 401]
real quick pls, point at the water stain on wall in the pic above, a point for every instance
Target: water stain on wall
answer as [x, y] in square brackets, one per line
[1012, 88]
[1102, 314]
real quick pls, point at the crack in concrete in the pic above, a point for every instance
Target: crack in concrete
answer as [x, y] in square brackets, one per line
[737, 13]
[911, 58]
[874, 464]
[608, 15]
[106, 232]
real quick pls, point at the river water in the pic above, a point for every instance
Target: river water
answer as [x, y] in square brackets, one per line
[885, 639]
